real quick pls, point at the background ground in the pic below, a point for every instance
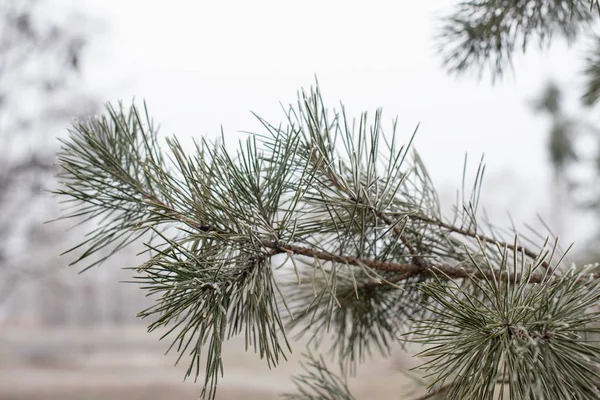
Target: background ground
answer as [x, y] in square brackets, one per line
[128, 363]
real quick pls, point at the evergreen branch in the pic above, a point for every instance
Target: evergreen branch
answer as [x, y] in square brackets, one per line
[364, 225]
[534, 336]
[407, 269]
[116, 154]
[208, 278]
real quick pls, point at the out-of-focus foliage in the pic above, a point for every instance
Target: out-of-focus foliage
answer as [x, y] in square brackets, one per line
[592, 74]
[562, 133]
[484, 34]
[41, 50]
[41, 58]
[568, 157]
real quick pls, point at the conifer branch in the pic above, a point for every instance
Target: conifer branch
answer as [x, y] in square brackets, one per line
[407, 270]
[359, 226]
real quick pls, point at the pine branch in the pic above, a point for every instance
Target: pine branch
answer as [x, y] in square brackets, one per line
[407, 270]
[513, 332]
[359, 225]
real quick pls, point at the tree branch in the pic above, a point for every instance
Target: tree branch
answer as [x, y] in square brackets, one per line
[406, 269]
[483, 238]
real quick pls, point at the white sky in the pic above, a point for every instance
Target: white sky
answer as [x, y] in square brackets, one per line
[202, 64]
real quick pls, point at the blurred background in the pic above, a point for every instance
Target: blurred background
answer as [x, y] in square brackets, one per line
[205, 65]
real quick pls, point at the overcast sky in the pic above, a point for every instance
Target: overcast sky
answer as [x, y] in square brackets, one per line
[202, 64]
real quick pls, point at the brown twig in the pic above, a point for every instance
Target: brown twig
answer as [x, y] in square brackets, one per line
[407, 269]
[483, 238]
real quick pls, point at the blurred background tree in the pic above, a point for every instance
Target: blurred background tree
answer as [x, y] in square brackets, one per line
[42, 88]
[484, 36]
[40, 91]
